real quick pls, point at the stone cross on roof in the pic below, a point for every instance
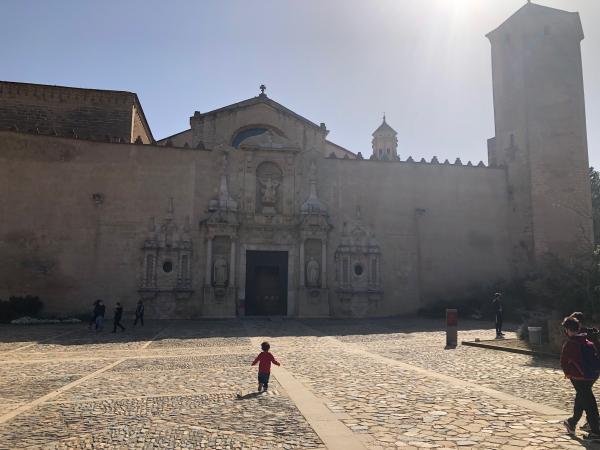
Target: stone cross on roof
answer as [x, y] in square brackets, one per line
[262, 88]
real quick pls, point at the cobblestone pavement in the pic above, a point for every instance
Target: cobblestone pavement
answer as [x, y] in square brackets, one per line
[387, 382]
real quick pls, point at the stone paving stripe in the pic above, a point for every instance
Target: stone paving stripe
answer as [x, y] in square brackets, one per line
[53, 394]
[334, 434]
[524, 403]
[145, 346]
[39, 342]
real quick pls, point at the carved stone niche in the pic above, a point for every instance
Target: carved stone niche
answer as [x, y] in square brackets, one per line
[269, 180]
[166, 264]
[221, 232]
[312, 266]
[358, 272]
[314, 228]
[220, 261]
[219, 286]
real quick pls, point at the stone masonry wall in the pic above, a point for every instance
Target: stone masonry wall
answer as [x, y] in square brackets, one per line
[442, 228]
[76, 213]
[540, 123]
[54, 110]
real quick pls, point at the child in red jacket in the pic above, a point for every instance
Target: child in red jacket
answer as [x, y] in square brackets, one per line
[572, 363]
[264, 358]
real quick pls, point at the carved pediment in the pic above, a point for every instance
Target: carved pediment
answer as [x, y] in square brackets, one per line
[268, 141]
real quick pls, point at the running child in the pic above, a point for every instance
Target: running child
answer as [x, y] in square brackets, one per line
[264, 358]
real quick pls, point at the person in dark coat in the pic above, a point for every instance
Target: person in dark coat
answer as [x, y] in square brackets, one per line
[99, 311]
[573, 365]
[139, 313]
[497, 302]
[93, 316]
[118, 317]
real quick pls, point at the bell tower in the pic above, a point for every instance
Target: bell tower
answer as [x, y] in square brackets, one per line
[385, 143]
[541, 138]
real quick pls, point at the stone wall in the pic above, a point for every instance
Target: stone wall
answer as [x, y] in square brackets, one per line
[71, 112]
[76, 215]
[441, 228]
[139, 127]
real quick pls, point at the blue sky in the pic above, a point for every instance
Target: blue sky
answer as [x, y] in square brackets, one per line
[426, 63]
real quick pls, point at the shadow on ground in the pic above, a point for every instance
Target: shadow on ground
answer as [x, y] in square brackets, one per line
[161, 330]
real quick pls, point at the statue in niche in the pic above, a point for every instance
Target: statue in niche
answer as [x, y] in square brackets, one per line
[269, 191]
[312, 171]
[312, 272]
[220, 272]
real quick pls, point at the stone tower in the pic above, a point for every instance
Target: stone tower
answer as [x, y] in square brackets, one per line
[385, 143]
[540, 129]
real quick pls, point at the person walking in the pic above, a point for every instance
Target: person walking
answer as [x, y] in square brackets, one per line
[592, 334]
[497, 302]
[139, 313]
[93, 316]
[117, 318]
[579, 362]
[264, 358]
[99, 311]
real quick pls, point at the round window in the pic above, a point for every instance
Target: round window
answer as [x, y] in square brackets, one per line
[168, 266]
[358, 270]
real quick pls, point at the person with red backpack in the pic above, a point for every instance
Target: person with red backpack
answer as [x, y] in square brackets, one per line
[580, 362]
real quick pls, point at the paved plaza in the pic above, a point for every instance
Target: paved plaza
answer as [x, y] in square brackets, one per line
[376, 384]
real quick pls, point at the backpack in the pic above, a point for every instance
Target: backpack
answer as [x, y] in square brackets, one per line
[590, 360]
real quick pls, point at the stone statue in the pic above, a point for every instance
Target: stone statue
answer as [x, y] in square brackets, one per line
[312, 272]
[312, 171]
[220, 272]
[269, 191]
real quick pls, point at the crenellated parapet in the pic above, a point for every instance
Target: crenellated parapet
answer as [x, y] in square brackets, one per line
[434, 161]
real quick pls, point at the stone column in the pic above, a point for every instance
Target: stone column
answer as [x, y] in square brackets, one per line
[232, 265]
[302, 269]
[323, 264]
[208, 278]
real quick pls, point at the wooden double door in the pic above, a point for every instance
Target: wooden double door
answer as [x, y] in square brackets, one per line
[266, 283]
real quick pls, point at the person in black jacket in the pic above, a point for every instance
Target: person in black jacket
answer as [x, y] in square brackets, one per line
[93, 316]
[99, 311]
[139, 313]
[497, 302]
[118, 316]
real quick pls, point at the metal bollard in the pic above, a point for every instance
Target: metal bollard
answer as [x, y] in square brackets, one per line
[451, 328]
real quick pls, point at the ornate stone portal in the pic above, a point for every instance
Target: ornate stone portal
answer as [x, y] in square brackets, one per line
[166, 279]
[358, 271]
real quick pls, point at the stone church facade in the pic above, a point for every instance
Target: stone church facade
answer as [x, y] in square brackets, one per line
[252, 211]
